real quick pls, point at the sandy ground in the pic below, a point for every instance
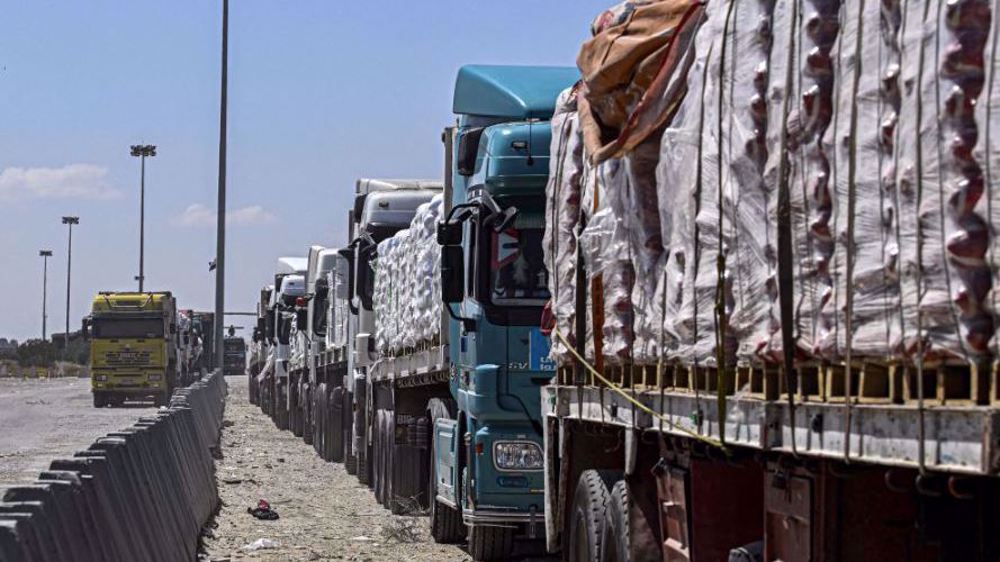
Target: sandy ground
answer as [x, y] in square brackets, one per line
[324, 513]
[44, 419]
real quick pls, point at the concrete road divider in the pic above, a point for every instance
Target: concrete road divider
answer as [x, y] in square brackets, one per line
[142, 493]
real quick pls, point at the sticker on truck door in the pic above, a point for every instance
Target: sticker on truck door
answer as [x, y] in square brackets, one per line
[538, 351]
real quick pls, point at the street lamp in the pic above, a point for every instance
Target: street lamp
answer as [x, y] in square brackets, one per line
[220, 221]
[141, 151]
[69, 264]
[45, 254]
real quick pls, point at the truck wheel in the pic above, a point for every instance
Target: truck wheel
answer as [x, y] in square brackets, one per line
[162, 399]
[334, 430]
[281, 405]
[490, 543]
[294, 408]
[308, 417]
[100, 399]
[318, 404]
[382, 454]
[617, 531]
[446, 523]
[361, 438]
[350, 459]
[590, 508]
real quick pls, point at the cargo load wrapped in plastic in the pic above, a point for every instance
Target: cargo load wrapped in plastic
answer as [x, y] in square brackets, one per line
[810, 173]
[407, 287]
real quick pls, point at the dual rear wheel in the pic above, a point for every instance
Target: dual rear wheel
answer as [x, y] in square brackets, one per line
[599, 529]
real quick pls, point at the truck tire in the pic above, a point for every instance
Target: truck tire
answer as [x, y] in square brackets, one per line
[294, 407]
[617, 531]
[490, 543]
[334, 430]
[445, 522]
[377, 479]
[350, 459]
[280, 401]
[586, 520]
[161, 399]
[320, 405]
[100, 399]
[628, 535]
[362, 451]
[308, 420]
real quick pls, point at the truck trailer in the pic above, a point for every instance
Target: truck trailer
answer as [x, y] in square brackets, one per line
[770, 251]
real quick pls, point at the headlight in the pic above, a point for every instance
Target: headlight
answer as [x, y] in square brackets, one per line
[155, 378]
[100, 378]
[517, 455]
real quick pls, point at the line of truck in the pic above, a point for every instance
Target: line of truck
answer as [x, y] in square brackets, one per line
[142, 346]
[689, 301]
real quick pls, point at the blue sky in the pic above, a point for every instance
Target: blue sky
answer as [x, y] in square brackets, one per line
[321, 92]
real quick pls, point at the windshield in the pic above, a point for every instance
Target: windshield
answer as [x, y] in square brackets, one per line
[128, 328]
[517, 270]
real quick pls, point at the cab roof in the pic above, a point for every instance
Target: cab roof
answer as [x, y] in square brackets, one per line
[514, 92]
[110, 301]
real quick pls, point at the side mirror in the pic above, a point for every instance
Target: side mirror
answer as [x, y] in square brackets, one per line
[452, 274]
[449, 233]
[468, 149]
[261, 325]
[505, 219]
[301, 319]
[85, 327]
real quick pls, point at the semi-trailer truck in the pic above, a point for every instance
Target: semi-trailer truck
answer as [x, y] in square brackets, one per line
[770, 232]
[447, 418]
[134, 347]
[273, 393]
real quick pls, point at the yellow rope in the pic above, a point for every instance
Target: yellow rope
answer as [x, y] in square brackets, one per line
[617, 389]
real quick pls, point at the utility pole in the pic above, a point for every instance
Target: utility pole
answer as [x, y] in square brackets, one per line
[142, 151]
[220, 221]
[46, 254]
[69, 265]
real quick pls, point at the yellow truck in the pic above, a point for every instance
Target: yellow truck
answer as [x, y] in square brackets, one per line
[133, 349]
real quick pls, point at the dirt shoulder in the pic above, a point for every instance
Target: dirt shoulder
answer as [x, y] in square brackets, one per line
[324, 513]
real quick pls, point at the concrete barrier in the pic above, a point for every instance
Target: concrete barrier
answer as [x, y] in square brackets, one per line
[139, 494]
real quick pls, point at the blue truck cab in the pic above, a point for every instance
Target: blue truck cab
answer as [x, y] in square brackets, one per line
[488, 456]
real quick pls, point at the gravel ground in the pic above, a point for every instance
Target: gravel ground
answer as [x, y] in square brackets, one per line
[43, 419]
[324, 513]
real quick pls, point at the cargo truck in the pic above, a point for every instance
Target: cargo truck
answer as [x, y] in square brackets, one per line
[381, 209]
[308, 338]
[234, 355]
[770, 244]
[333, 400]
[275, 396]
[446, 395]
[134, 347]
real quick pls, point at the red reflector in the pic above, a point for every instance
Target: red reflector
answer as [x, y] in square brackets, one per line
[479, 448]
[300, 301]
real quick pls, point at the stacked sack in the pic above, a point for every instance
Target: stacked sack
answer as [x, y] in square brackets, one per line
[726, 167]
[407, 290]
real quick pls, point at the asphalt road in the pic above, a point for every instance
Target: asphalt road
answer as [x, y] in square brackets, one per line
[41, 420]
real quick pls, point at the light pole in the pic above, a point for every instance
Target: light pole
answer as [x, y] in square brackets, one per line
[69, 265]
[141, 151]
[46, 254]
[220, 221]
